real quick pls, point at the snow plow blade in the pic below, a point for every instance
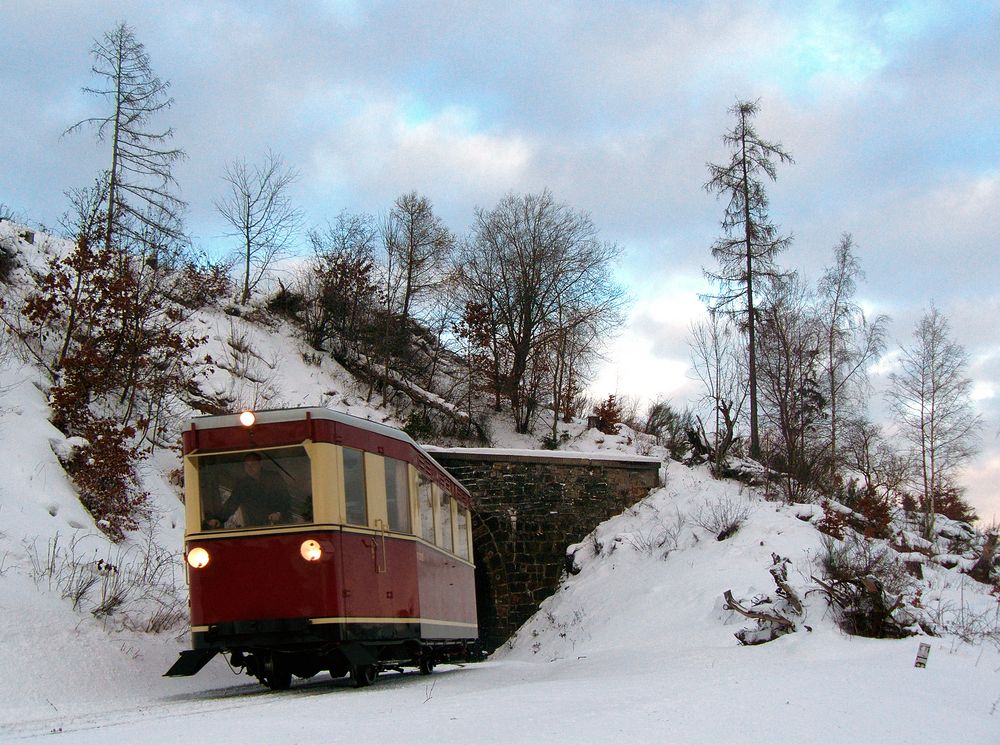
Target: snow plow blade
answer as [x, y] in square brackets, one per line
[190, 662]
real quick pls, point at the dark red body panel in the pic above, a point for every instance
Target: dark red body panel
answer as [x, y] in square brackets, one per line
[447, 586]
[379, 577]
[359, 576]
[265, 577]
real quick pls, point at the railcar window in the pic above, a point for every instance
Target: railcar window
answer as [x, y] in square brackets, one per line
[354, 486]
[397, 493]
[462, 528]
[253, 489]
[444, 513]
[424, 496]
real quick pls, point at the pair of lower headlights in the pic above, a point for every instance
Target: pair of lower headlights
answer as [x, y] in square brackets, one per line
[199, 557]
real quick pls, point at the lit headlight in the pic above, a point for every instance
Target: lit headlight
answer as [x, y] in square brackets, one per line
[198, 558]
[310, 550]
[247, 418]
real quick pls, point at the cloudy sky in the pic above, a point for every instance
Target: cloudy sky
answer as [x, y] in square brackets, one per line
[890, 109]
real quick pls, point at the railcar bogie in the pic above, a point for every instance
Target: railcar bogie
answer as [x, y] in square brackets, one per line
[319, 541]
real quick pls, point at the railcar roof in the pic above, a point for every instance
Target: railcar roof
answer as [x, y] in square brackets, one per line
[269, 416]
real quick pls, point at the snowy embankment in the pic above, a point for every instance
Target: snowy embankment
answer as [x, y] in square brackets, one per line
[646, 614]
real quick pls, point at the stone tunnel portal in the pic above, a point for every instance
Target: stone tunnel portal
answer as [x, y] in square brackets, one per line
[528, 507]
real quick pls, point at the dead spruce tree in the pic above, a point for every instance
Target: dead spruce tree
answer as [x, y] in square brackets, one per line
[746, 252]
[139, 176]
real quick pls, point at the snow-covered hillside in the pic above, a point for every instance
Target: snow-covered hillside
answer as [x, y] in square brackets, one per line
[635, 647]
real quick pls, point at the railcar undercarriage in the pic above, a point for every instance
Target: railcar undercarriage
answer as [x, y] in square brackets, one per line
[274, 664]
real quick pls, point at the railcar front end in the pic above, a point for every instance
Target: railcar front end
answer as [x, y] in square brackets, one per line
[320, 541]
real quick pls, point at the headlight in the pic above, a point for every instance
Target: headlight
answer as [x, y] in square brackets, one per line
[198, 558]
[247, 418]
[310, 550]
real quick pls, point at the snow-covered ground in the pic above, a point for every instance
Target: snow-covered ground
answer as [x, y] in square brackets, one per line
[637, 647]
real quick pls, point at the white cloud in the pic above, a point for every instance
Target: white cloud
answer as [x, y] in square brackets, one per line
[380, 150]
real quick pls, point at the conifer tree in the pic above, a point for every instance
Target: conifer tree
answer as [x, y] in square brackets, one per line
[140, 178]
[746, 252]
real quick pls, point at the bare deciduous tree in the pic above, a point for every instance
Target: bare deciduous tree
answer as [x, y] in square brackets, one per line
[792, 401]
[418, 246]
[750, 243]
[337, 289]
[931, 398]
[865, 451]
[140, 176]
[529, 261]
[850, 340]
[719, 362]
[260, 211]
[572, 348]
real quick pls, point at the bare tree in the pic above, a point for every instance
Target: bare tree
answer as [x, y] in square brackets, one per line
[339, 285]
[792, 401]
[931, 398]
[750, 243]
[140, 176]
[260, 211]
[850, 340]
[719, 362]
[572, 348]
[530, 259]
[418, 246]
[865, 451]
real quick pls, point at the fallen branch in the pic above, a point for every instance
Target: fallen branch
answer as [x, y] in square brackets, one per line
[780, 622]
[779, 571]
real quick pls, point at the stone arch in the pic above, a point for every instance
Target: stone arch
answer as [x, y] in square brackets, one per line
[527, 509]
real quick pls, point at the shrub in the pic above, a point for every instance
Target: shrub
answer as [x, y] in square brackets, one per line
[866, 583]
[287, 303]
[135, 586]
[201, 283]
[104, 473]
[668, 426]
[661, 539]
[723, 517]
[608, 414]
[876, 513]
[834, 522]
[8, 260]
[419, 425]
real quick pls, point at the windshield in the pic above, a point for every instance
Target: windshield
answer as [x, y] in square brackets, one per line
[257, 488]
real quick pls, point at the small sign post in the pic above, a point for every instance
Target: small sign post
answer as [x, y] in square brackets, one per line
[922, 652]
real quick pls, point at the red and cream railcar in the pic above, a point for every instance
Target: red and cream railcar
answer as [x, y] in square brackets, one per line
[359, 560]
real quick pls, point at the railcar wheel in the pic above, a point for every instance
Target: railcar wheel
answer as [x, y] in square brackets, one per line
[275, 673]
[364, 675]
[426, 666]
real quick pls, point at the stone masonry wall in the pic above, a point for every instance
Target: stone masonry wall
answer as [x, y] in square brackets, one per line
[526, 510]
